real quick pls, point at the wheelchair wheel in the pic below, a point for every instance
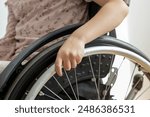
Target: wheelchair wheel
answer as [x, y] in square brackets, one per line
[125, 77]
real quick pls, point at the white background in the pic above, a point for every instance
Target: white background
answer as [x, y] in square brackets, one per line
[140, 108]
[3, 18]
[139, 25]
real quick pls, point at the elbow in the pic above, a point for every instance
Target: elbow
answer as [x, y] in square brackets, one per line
[125, 9]
[120, 6]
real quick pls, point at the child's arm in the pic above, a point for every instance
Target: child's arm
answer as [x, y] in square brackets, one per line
[111, 15]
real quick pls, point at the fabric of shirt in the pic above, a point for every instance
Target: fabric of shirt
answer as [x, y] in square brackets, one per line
[28, 20]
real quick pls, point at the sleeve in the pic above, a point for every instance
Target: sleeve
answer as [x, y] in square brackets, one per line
[7, 43]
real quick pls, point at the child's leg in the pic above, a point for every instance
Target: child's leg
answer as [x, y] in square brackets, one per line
[3, 65]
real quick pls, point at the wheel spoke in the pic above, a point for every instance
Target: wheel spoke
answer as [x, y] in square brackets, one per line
[70, 84]
[121, 63]
[53, 92]
[131, 79]
[41, 93]
[77, 88]
[135, 88]
[62, 88]
[99, 74]
[94, 78]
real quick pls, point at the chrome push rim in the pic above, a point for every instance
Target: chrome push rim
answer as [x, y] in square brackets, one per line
[49, 73]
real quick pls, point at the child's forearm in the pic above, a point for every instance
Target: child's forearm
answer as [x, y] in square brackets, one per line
[110, 16]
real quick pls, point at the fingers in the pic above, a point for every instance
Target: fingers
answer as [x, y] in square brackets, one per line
[79, 58]
[67, 61]
[58, 66]
[73, 63]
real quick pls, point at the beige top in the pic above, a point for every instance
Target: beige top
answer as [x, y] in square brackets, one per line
[28, 20]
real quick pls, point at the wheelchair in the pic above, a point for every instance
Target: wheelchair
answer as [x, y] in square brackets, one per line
[97, 77]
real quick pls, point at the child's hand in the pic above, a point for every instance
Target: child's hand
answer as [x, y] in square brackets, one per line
[70, 54]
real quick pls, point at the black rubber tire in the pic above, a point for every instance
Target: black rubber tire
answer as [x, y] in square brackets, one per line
[37, 66]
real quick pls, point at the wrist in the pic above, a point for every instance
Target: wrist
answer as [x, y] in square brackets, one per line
[79, 36]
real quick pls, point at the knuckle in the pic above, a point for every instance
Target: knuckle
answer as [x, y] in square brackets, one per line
[72, 55]
[57, 65]
[79, 57]
[63, 52]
